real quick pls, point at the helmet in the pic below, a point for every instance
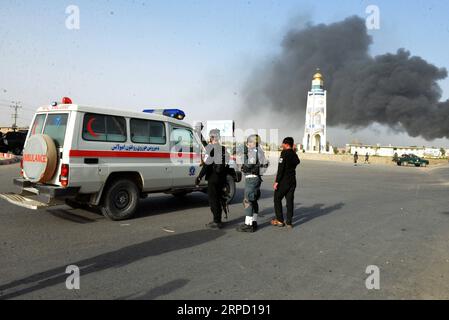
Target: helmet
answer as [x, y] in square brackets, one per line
[254, 138]
[215, 134]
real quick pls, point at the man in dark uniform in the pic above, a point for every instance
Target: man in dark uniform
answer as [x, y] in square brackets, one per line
[285, 184]
[254, 165]
[214, 169]
[356, 158]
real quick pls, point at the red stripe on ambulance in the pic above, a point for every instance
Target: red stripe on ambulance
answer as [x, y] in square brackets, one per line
[129, 154]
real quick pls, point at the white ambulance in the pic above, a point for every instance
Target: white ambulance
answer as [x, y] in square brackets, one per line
[80, 155]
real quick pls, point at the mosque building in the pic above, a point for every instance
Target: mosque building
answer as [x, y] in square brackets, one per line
[315, 129]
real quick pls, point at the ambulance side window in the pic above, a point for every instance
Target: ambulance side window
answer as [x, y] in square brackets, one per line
[98, 127]
[157, 133]
[147, 132]
[197, 145]
[115, 129]
[182, 140]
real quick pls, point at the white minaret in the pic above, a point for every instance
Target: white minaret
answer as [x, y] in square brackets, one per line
[315, 128]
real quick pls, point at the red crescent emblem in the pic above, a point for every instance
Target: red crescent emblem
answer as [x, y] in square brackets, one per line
[89, 128]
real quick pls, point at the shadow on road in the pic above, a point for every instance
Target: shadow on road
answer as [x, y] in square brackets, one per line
[152, 206]
[162, 290]
[162, 204]
[304, 214]
[113, 259]
[307, 214]
[74, 215]
[156, 205]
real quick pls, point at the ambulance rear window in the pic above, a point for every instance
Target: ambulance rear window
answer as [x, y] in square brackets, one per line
[38, 124]
[56, 126]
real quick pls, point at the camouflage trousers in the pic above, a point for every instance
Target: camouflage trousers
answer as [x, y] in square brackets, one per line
[252, 195]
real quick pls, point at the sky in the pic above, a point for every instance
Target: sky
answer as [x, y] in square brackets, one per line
[195, 55]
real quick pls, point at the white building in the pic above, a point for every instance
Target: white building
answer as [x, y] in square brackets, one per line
[389, 151]
[315, 130]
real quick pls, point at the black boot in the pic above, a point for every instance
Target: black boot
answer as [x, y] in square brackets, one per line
[255, 226]
[214, 225]
[242, 228]
[245, 228]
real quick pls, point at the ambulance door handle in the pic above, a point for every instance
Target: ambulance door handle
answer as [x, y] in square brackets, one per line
[91, 161]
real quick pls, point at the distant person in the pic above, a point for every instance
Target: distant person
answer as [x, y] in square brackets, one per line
[285, 184]
[356, 158]
[396, 157]
[367, 158]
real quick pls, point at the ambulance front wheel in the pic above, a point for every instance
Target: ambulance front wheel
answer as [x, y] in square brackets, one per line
[230, 188]
[121, 200]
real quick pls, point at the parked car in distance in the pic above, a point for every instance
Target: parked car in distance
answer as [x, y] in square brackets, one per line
[412, 159]
[14, 141]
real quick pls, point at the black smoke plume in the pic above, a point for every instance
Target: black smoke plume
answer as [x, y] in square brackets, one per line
[397, 90]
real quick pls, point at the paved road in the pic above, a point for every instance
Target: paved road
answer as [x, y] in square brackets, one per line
[347, 218]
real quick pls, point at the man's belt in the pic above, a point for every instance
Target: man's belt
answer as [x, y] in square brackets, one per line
[251, 176]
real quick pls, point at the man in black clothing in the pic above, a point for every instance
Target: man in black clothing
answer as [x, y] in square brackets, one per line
[214, 169]
[285, 184]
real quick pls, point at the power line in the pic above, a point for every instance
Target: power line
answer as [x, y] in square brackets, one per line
[23, 108]
[18, 116]
[16, 106]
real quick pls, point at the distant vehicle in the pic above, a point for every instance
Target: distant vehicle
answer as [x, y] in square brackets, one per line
[3, 147]
[412, 159]
[14, 141]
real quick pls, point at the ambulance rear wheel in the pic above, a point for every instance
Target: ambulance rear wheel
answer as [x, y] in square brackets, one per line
[121, 200]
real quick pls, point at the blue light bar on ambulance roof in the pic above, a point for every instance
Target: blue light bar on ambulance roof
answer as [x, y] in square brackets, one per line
[172, 113]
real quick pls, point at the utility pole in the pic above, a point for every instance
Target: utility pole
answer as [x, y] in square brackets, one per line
[16, 106]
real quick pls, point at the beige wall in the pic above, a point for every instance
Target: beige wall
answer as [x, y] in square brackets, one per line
[7, 129]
